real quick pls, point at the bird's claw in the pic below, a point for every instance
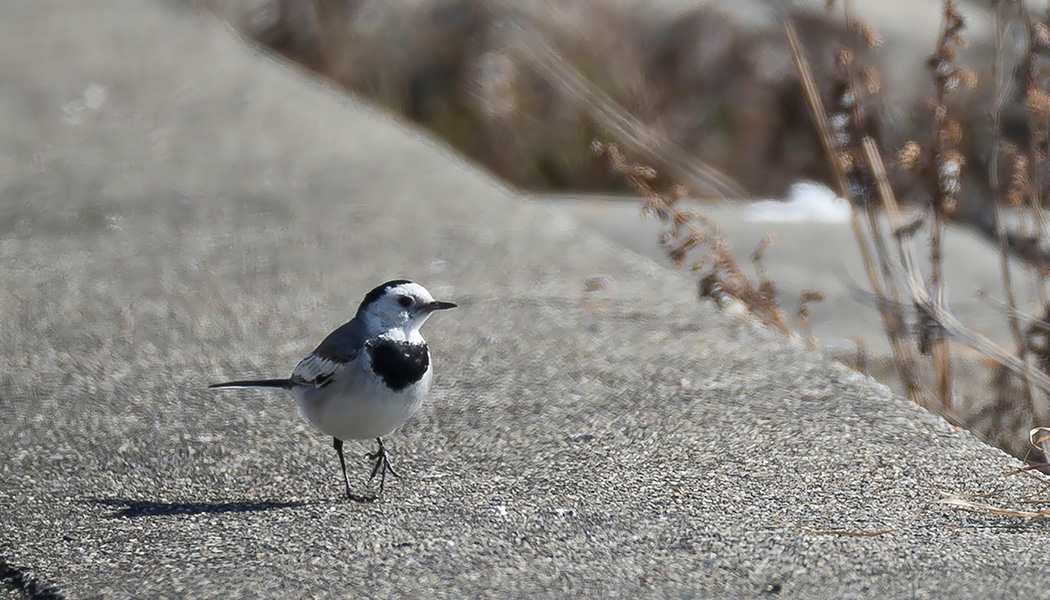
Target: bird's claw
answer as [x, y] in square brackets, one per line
[381, 467]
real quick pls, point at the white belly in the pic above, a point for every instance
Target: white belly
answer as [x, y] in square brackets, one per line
[364, 409]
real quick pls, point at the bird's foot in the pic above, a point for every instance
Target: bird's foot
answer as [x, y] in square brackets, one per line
[382, 466]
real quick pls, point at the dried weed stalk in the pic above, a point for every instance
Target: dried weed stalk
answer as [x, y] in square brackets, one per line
[1000, 379]
[917, 287]
[945, 168]
[1023, 192]
[1039, 440]
[851, 140]
[843, 166]
[802, 320]
[721, 278]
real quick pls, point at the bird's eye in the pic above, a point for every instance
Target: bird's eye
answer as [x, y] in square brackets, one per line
[404, 301]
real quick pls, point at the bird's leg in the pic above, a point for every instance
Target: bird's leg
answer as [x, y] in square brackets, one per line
[338, 445]
[382, 465]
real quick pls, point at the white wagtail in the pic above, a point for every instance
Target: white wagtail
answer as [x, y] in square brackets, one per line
[368, 376]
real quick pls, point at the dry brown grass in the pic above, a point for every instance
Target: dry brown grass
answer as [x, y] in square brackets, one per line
[693, 241]
[1016, 399]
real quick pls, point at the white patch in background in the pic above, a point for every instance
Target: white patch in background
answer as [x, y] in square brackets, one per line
[806, 202]
[90, 101]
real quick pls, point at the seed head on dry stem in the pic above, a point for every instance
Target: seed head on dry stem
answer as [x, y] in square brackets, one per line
[909, 157]
[948, 77]
[686, 231]
[802, 315]
[868, 34]
[872, 81]
[1020, 188]
[853, 87]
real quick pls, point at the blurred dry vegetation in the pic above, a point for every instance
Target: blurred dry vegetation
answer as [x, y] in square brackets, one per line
[471, 71]
[711, 103]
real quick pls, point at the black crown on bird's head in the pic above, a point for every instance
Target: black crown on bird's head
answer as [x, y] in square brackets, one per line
[377, 293]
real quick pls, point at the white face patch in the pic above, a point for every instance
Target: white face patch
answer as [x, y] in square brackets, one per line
[397, 313]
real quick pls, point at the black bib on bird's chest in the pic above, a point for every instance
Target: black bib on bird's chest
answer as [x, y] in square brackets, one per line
[399, 364]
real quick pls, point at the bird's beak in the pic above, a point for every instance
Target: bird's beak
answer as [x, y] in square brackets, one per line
[438, 305]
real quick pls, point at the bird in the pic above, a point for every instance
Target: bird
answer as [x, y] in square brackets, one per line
[368, 376]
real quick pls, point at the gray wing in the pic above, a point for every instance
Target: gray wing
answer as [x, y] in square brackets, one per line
[338, 351]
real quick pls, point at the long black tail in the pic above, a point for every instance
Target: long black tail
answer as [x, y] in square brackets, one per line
[265, 384]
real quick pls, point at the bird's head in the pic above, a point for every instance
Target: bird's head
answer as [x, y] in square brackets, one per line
[398, 306]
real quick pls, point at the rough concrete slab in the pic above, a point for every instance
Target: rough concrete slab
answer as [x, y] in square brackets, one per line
[177, 209]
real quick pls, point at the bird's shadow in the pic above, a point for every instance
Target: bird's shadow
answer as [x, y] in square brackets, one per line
[130, 509]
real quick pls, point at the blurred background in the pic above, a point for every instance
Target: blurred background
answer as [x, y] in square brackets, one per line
[714, 79]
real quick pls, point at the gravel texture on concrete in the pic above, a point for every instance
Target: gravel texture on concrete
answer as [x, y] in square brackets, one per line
[178, 209]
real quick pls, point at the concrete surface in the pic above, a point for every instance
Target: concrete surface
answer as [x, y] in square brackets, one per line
[177, 209]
